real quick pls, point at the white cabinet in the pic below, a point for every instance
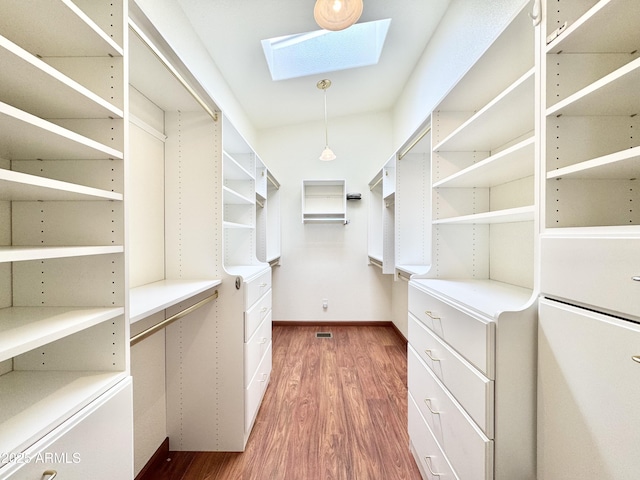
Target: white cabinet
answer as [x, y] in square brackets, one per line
[588, 333]
[472, 375]
[589, 393]
[76, 449]
[64, 339]
[324, 201]
[472, 314]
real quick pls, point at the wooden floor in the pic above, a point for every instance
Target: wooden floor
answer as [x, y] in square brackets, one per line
[334, 409]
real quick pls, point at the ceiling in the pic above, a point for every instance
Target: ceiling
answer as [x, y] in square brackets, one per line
[232, 31]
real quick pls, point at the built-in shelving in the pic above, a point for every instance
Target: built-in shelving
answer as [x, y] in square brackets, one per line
[482, 276]
[592, 67]
[64, 338]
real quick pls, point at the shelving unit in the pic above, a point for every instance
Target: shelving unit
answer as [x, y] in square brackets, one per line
[381, 227]
[591, 230]
[482, 282]
[268, 220]
[324, 201]
[64, 347]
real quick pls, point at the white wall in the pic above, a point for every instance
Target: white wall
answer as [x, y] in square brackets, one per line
[324, 260]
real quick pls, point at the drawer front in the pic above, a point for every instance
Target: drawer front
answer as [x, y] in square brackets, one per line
[255, 391]
[255, 349]
[256, 288]
[467, 448]
[588, 408]
[473, 390]
[256, 314]
[432, 462]
[593, 271]
[470, 336]
[96, 443]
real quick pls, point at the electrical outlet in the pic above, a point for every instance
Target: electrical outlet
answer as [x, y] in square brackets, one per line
[325, 303]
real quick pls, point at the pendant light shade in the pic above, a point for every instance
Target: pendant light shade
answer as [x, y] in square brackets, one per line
[337, 14]
[327, 154]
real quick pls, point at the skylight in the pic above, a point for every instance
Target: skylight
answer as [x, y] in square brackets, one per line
[323, 51]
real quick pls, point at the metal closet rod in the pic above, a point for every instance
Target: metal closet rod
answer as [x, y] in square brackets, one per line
[414, 142]
[213, 114]
[168, 321]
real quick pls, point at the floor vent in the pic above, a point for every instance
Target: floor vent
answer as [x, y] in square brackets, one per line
[324, 335]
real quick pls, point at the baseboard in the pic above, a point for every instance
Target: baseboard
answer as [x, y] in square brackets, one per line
[160, 455]
[339, 323]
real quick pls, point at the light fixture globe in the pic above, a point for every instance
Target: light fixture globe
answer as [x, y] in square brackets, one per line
[327, 155]
[337, 14]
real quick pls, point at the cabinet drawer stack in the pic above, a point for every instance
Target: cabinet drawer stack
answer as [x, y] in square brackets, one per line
[257, 343]
[457, 358]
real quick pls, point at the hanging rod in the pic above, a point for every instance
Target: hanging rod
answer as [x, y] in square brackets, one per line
[371, 187]
[404, 276]
[406, 150]
[273, 181]
[168, 321]
[138, 31]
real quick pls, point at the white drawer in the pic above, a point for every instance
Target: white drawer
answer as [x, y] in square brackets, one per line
[593, 271]
[254, 392]
[256, 288]
[255, 348]
[470, 336]
[96, 443]
[473, 390]
[256, 314]
[431, 460]
[467, 448]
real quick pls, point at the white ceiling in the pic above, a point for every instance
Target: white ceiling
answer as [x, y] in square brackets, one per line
[232, 30]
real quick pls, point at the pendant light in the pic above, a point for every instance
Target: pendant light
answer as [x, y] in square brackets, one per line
[337, 14]
[327, 154]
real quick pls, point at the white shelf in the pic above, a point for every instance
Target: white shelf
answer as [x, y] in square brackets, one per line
[413, 269]
[34, 402]
[617, 165]
[60, 26]
[247, 272]
[234, 171]
[487, 297]
[26, 328]
[237, 225]
[232, 197]
[25, 187]
[511, 215]
[613, 94]
[505, 118]
[510, 164]
[598, 30]
[26, 137]
[42, 90]
[26, 253]
[323, 218]
[155, 297]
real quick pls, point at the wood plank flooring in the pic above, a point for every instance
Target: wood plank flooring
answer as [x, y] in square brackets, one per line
[336, 408]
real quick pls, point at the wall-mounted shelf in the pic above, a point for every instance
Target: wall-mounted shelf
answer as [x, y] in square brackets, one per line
[324, 201]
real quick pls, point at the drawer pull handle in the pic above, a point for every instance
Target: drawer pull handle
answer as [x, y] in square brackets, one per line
[636, 278]
[264, 340]
[49, 474]
[264, 377]
[262, 285]
[263, 309]
[427, 461]
[430, 355]
[636, 358]
[427, 402]
[432, 315]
